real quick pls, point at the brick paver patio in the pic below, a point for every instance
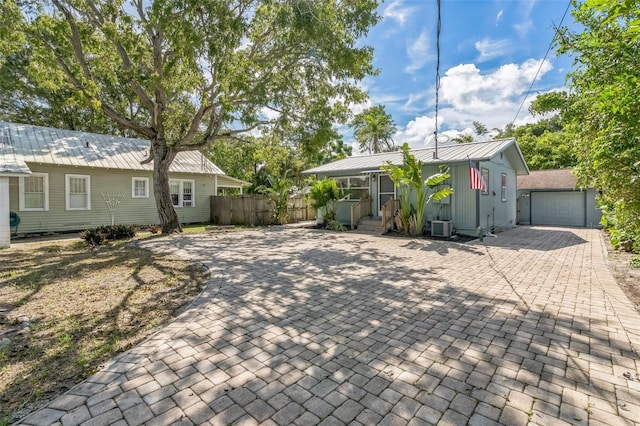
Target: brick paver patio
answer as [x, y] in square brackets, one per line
[309, 327]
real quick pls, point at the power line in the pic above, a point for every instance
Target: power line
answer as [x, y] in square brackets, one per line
[541, 63]
[438, 29]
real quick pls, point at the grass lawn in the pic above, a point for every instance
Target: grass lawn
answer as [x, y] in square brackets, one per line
[65, 309]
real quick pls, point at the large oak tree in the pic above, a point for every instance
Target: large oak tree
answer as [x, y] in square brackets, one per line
[187, 73]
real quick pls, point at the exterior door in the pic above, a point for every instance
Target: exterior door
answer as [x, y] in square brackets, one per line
[386, 191]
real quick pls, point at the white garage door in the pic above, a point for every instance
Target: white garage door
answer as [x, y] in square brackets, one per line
[558, 208]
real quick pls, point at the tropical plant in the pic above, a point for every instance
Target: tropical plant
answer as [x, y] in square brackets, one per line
[373, 128]
[185, 75]
[325, 195]
[279, 193]
[408, 178]
[601, 110]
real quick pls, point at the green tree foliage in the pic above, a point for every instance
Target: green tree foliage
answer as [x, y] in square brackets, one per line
[185, 75]
[544, 144]
[408, 178]
[463, 138]
[373, 128]
[603, 107]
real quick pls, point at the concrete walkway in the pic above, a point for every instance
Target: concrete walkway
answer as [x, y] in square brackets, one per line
[309, 327]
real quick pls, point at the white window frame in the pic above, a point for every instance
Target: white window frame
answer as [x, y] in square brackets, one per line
[181, 201]
[133, 187]
[67, 199]
[45, 188]
[351, 187]
[503, 186]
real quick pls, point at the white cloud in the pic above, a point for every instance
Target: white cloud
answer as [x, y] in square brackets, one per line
[525, 11]
[397, 11]
[418, 53]
[490, 49]
[499, 16]
[467, 95]
[417, 132]
[524, 27]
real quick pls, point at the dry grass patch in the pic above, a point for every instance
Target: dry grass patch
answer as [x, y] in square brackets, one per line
[66, 309]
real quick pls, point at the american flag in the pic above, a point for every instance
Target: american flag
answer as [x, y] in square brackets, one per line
[475, 178]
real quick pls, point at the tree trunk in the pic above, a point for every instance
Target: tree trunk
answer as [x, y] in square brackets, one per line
[162, 158]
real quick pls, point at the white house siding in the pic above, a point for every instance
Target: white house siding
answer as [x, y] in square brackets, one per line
[139, 211]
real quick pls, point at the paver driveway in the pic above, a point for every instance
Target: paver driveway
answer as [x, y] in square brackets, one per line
[305, 327]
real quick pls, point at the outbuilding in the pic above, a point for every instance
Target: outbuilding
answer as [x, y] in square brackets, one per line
[553, 197]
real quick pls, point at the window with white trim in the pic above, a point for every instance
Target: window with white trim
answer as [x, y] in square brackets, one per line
[182, 192]
[77, 191]
[354, 187]
[503, 186]
[139, 187]
[34, 192]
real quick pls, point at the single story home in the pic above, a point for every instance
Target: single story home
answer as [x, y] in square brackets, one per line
[499, 162]
[552, 197]
[57, 180]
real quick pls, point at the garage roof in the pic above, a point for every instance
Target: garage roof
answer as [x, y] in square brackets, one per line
[548, 179]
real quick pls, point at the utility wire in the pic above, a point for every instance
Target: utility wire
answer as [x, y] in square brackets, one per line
[438, 29]
[541, 63]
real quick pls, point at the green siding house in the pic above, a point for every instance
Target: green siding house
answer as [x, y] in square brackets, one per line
[499, 162]
[61, 180]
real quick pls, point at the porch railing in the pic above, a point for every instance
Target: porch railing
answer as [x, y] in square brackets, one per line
[389, 210]
[360, 209]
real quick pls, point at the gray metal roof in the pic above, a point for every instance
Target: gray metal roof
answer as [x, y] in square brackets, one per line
[44, 145]
[475, 151]
[10, 164]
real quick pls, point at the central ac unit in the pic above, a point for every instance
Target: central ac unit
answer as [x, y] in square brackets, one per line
[440, 228]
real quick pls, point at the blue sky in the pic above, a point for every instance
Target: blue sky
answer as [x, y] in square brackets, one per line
[490, 51]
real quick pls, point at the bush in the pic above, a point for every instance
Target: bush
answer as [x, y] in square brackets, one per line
[101, 234]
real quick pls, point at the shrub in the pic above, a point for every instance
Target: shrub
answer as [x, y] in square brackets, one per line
[101, 234]
[325, 195]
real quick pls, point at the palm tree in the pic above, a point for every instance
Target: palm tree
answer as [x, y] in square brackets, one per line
[373, 129]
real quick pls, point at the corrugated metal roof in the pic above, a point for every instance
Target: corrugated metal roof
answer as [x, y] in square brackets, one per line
[10, 164]
[35, 144]
[475, 151]
[548, 179]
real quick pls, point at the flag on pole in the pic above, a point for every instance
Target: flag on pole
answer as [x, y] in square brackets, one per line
[475, 178]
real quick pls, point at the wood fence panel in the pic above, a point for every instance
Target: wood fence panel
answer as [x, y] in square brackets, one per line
[255, 210]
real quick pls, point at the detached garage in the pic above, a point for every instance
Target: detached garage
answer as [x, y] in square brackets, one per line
[550, 197]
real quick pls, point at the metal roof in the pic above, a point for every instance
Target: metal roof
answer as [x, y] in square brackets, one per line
[475, 151]
[10, 164]
[44, 145]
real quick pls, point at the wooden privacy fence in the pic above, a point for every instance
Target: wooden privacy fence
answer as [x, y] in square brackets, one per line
[255, 210]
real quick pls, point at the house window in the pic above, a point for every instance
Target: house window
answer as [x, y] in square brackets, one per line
[34, 192]
[485, 177]
[182, 192]
[78, 192]
[353, 187]
[139, 187]
[503, 186]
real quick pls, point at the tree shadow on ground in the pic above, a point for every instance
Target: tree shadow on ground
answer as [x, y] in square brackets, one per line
[310, 323]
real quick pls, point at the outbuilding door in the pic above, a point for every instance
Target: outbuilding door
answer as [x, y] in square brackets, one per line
[562, 208]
